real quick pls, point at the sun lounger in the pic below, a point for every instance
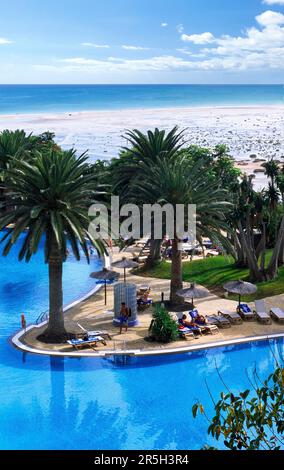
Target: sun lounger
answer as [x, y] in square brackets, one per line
[233, 317]
[194, 329]
[143, 304]
[277, 314]
[102, 333]
[186, 333]
[260, 313]
[212, 320]
[219, 320]
[205, 327]
[91, 342]
[245, 312]
[211, 329]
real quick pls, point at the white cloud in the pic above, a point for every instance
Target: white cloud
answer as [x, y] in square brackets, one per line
[184, 51]
[180, 28]
[134, 48]
[164, 25]
[5, 41]
[273, 2]
[198, 55]
[270, 18]
[96, 46]
[251, 61]
[204, 38]
[257, 49]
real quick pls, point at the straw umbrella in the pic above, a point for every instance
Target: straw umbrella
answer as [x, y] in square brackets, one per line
[194, 292]
[240, 288]
[124, 264]
[106, 277]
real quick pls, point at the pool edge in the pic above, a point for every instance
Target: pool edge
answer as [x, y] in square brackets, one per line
[15, 340]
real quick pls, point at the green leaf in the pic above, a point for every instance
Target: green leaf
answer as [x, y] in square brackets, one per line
[195, 410]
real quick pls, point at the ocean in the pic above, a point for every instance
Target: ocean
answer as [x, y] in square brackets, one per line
[18, 99]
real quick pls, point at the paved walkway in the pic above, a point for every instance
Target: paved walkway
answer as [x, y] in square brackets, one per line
[93, 315]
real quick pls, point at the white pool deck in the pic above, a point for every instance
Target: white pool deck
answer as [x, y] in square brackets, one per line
[91, 312]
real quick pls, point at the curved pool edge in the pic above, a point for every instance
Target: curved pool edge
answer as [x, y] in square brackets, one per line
[16, 341]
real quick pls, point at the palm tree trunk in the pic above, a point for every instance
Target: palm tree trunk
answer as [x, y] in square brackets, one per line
[176, 272]
[155, 252]
[272, 269]
[241, 258]
[281, 255]
[255, 272]
[55, 331]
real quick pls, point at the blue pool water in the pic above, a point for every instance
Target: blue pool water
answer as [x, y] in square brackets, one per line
[98, 404]
[67, 98]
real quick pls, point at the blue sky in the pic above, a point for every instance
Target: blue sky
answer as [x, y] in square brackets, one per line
[142, 41]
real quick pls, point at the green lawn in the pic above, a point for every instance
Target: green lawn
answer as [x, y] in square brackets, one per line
[214, 272]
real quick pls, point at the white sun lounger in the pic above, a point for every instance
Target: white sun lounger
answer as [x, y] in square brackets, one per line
[245, 312]
[260, 312]
[212, 329]
[277, 314]
[233, 317]
[219, 320]
[94, 333]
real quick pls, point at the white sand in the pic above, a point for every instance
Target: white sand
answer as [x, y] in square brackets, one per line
[246, 131]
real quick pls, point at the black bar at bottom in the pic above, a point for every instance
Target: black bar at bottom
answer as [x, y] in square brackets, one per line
[129, 459]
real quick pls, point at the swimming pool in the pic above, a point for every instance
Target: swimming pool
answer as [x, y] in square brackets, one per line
[91, 403]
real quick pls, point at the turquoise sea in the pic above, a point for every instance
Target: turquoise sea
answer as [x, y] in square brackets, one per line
[68, 98]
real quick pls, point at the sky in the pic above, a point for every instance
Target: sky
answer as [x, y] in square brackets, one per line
[141, 41]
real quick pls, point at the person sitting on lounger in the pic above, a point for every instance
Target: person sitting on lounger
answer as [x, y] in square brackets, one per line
[125, 313]
[200, 320]
[197, 318]
[144, 299]
[185, 323]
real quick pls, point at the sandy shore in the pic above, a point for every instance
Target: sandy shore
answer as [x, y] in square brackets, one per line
[251, 133]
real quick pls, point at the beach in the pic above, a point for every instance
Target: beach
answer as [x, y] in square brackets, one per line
[253, 134]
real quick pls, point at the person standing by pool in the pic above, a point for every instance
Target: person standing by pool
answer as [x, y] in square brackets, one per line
[125, 313]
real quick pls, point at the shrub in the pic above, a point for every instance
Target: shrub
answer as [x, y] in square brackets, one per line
[163, 328]
[252, 419]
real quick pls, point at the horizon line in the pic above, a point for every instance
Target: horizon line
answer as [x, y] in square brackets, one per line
[142, 84]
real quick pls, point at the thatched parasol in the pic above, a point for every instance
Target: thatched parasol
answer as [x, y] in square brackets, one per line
[194, 292]
[240, 288]
[107, 277]
[124, 264]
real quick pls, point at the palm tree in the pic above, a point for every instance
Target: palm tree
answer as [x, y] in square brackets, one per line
[178, 182]
[51, 196]
[142, 152]
[15, 145]
[271, 170]
[253, 212]
[12, 145]
[280, 185]
[18, 144]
